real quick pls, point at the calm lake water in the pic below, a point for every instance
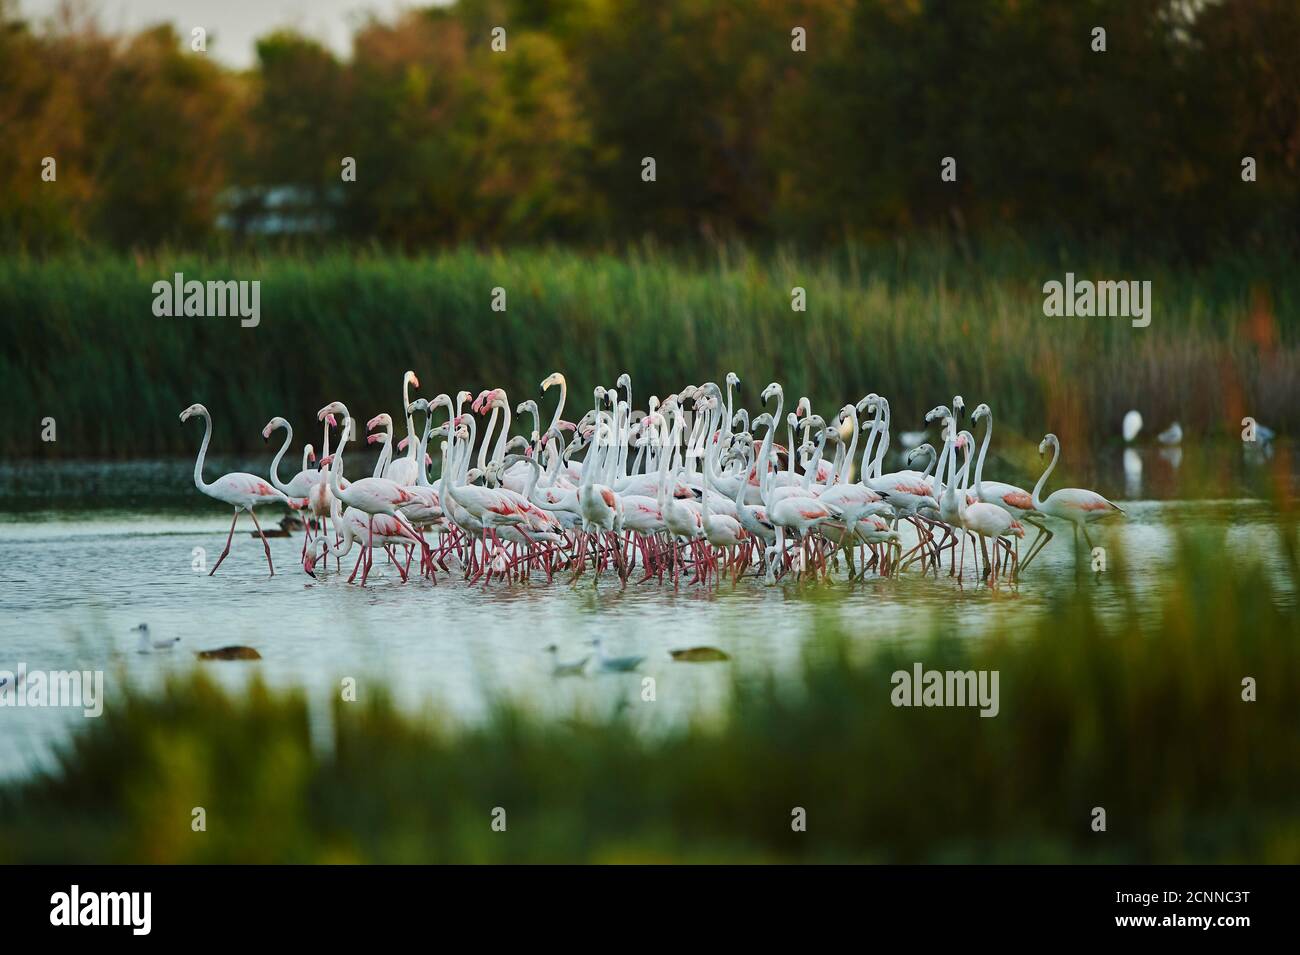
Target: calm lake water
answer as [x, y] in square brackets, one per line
[91, 550]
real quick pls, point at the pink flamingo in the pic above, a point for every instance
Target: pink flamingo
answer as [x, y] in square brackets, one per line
[1016, 501]
[1077, 505]
[403, 470]
[240, 490]
[370, 495]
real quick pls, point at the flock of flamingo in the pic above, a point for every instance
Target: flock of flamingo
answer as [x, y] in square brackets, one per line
[685, 489]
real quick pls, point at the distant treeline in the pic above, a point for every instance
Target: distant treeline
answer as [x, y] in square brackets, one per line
[769, 120]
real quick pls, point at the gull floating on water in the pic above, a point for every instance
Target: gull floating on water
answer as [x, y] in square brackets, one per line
[615, 664]
[572, 668]
[148, 645]
[1171, 435]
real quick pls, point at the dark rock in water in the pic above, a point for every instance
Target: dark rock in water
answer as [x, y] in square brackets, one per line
[289, 524]
[699, 655]
[230, 653]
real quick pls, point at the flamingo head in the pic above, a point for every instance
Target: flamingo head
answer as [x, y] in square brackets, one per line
[327, 460]
[272, 425]
[192, 410]
[1017, 529]
[551, 380]
[401, 445]
[958, 405]
[732, 379]
[311, 454]
[331, 409]
[624, 381]
[868, 403]
[419, 404]
[377, 437]
[332, 421]
[771, 391]
[378, 421]
[980, 411]
[937, 413]
[527, 406]
[1049, 441]
[410, 379]
[919, 450]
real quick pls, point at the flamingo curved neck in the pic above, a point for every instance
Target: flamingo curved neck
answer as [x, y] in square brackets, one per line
[841, 475]
[487, 438]
[884, 443]
[385, 453]
[984, 449]
[1038, 488]
[764, 481]
[559, 408]
[275, 462]
[203, 451]
[410, 420]
[499, 452]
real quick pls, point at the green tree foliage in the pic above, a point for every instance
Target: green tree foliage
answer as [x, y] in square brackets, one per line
[1140, 144]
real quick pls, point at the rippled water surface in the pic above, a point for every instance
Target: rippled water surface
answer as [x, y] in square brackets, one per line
[99, 549]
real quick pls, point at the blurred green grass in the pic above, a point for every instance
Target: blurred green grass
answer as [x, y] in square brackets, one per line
[914, 321]
[1139, 712]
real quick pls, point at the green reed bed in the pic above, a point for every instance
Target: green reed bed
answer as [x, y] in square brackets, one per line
[914, 322]
[1139, 712]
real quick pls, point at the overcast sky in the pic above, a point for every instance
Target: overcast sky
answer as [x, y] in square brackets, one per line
[233, 25]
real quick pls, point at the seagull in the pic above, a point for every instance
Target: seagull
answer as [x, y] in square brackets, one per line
[1171, 435]
[560, 668]
[147, 645]
[1263, 434]
[1132, 425]
[615, 664]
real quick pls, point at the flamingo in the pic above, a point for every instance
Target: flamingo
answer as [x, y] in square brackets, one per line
[403, 470]
[1077, 505]
[370, 495]
[240, 490]
[299, 486]
[983, 519]
[1016, 501]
